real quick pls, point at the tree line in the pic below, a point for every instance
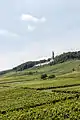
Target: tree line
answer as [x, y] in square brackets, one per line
[58, 59]
[67, 56]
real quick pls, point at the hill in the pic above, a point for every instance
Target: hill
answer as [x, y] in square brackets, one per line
[58, 59]
[25, 96]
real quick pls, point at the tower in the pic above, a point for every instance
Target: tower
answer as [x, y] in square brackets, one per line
[52, 55]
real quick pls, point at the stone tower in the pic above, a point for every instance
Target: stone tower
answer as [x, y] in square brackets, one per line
[52, 55]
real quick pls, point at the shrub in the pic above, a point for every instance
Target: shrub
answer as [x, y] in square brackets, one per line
[30, 73]
[52, 76]
[73, 69]
[43, 76]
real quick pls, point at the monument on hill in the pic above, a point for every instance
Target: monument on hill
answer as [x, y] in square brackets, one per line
[52, 55]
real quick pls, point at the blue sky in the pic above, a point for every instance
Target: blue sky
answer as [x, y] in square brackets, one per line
[31, 29]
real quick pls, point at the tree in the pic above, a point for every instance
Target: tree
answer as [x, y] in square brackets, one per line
[43, 76]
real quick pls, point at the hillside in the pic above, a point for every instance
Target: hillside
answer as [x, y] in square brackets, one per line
[58, 59]
[25, 96]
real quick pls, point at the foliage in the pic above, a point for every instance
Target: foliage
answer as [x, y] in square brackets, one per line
[38, 105]
[51, 76]
[67, 56]
[27, 65]
[30, 73]
[58, 59]
[24, 96]
[73, 69]
[43, 76]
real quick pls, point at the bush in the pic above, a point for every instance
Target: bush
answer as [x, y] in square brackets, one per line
[73, 69]
[52, 76]
[43, 76]
[30, 73]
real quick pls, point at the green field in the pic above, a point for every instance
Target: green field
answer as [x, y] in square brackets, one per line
[25, 96]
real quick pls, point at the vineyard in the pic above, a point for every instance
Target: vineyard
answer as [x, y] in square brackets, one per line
[25, 96]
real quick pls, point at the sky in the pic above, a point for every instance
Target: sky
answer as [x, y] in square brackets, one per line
[32, 29]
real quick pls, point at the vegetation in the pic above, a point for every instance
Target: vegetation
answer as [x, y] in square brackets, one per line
[25, 96]
[58, 59]
[43, 76]
[52, 76]
[67, 56]
[27, 65]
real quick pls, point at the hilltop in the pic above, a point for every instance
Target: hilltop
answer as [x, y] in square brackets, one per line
[57, 59]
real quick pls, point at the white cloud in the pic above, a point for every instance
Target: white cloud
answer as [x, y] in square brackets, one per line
[28, 17]
[7, 33]
[31, 28]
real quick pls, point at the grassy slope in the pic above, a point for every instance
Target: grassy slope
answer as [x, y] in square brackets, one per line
[62, 71]
[16, 99]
